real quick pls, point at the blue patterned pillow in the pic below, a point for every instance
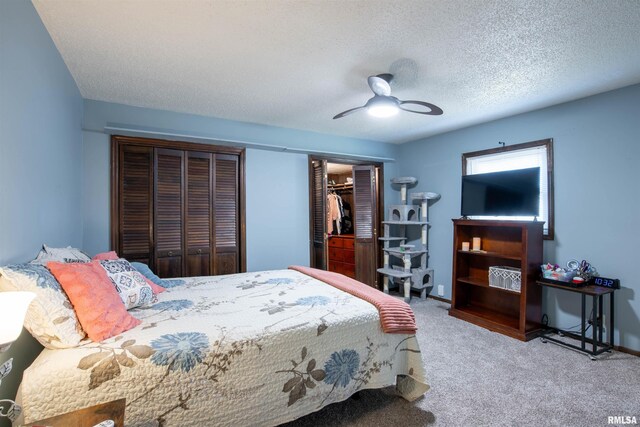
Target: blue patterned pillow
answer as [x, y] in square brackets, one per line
[131, 285]
[146, 272]
[172, 283]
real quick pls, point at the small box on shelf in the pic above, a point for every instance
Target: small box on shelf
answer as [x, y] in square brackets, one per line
[505, 277]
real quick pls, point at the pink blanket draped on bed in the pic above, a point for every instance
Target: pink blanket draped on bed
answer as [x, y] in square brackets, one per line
[395, 315]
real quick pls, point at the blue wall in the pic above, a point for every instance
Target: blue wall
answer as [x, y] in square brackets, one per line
[276, 174]
[597, 202]
[95, 192]
[41, 150]
[40, 153]
[277, 220]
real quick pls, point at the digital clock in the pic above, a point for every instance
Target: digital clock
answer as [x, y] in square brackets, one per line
[606, 283]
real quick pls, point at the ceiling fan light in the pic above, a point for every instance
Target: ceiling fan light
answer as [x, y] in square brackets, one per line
[382, 107]
[383, 110]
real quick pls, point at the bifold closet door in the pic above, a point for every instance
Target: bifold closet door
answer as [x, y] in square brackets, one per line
[178, 207]
[318, 218]
[169, 212]
[365, 225]
[134, 241]
[226, 213]
[199, 218]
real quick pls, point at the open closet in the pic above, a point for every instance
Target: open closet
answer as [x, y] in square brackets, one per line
[345, 203]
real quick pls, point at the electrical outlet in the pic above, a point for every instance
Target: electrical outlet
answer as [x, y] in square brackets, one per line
[440, 290]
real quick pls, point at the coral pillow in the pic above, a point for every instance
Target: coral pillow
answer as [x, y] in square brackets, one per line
[154, 281]
[108, 256]
[156, 288]
[146, 272]
[95, 300]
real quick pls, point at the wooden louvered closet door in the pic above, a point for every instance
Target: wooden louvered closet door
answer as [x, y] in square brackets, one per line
[199, 219]
[178, 207]
[226, 214]
[366, 236]
[135, 199]
[318, 198]
[169, 212]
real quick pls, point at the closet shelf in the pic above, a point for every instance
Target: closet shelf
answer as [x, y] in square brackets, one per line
[344, 186]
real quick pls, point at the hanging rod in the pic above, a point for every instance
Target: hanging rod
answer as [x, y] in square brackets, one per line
[345, 186]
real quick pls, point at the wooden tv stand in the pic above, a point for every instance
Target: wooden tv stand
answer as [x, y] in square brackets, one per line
[504, 243]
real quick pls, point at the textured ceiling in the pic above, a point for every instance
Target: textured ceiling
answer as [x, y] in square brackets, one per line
[296, 64]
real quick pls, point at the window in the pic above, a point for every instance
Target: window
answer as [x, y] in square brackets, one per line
[519, 156]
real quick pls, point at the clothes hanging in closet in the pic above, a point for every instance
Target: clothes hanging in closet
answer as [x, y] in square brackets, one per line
[346, 226]
[334, 212]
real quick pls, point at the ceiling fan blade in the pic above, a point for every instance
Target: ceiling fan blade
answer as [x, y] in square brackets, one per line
[346, 113]
[434, 110]
[380, 84]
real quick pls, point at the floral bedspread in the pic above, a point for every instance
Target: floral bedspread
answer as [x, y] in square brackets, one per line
[245, 349]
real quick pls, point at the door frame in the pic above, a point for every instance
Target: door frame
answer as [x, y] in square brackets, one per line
[380, 195]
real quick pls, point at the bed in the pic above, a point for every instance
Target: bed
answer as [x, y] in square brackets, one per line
[259, 348]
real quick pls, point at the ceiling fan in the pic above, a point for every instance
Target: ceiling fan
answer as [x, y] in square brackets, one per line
[384, 105]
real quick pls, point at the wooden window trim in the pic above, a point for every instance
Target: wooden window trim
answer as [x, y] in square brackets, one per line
[548, 143]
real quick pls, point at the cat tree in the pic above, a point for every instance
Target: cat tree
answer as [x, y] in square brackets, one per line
[414, 214]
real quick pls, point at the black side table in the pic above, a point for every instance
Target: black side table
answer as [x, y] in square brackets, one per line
[597, 345]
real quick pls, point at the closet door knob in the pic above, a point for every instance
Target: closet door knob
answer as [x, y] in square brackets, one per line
[170, 253]
[199, 251]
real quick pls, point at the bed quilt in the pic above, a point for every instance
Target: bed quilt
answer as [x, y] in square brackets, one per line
[245, 349]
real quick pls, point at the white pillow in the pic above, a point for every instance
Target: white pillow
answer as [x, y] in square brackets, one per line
[50, 317]
[68, 255]
[130, 284]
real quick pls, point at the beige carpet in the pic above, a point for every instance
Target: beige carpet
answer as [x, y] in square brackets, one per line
[480, 378]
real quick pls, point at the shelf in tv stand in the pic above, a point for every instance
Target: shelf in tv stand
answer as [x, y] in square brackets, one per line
[484, 283]
[487, 317]
[491, 255]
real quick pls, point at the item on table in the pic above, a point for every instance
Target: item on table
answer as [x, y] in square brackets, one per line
[476, 243]
[465, 246]
[583, 269]
[555, 272]
[578, 280]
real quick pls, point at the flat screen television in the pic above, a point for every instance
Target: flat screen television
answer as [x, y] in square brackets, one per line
[508, 193]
